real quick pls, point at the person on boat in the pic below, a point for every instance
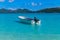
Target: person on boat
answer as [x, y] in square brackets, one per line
[36, 20]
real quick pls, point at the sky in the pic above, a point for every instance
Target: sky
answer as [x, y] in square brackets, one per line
[29, 4]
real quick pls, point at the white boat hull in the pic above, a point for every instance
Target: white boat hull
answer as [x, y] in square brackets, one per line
[28, 20]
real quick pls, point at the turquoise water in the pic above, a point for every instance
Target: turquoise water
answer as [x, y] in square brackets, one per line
[12, 29]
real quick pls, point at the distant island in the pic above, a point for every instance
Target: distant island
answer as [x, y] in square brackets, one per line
[15, 11]
[47, 10]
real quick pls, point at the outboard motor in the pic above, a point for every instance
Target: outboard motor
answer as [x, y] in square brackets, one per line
[36, 20]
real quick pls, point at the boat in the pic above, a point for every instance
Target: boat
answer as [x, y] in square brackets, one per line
[28, 20]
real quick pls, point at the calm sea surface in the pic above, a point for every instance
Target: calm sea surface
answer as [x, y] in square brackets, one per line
[12, 29]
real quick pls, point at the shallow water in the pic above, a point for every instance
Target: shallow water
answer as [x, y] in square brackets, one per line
[12, 29]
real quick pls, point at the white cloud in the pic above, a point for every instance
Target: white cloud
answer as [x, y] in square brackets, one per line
[40, 3]
[12, 8]
[34, 4]
[2, 0]
[11, 1]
